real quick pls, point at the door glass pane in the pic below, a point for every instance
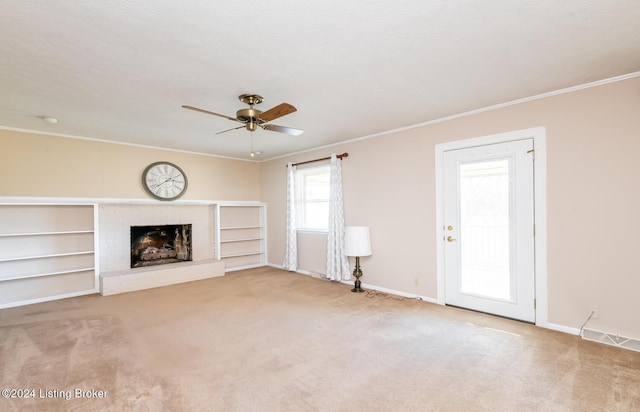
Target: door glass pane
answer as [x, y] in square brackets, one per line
[484, 229]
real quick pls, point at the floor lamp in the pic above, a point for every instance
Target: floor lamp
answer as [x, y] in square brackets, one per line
[357, 242]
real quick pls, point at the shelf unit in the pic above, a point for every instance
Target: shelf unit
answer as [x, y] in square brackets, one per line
[47, 251]
[240, 234]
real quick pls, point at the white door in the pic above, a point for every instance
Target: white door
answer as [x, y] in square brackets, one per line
[489, 229]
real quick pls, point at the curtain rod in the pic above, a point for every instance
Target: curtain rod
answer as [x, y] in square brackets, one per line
[345, 154]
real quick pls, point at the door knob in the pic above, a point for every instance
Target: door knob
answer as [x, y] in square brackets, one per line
[450, 239]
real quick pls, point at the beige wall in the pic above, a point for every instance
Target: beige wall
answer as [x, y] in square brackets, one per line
[35, 165]
[593, 203]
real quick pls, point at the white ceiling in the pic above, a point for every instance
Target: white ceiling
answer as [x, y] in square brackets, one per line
[120, 70]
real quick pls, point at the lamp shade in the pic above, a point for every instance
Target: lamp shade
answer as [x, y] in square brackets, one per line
[357, 241]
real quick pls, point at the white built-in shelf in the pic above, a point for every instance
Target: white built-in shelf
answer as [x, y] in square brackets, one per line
[257, 252]
[240, 240]
[12, 259]
[39, 275]
[68, 232]
[47, 251]
[240, 234]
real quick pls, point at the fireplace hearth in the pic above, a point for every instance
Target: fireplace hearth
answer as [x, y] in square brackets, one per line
[160, 245]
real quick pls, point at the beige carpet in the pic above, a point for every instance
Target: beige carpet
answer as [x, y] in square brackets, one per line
[269, 340]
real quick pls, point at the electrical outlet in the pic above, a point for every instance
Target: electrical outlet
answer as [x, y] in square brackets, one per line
[416, 281]
[596, 312]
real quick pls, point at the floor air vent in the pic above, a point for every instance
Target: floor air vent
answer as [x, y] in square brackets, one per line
[611, 339]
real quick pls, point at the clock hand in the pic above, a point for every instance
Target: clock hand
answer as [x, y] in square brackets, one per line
[160, 184]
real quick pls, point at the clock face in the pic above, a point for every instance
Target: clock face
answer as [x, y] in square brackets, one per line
[164, 181]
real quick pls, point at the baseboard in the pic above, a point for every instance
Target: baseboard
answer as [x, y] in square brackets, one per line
[233, 269]
[300, 271]
[559, 328]
[394, 292]
[49, 298]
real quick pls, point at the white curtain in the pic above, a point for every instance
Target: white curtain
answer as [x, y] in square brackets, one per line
[291, 248]
[337, 262]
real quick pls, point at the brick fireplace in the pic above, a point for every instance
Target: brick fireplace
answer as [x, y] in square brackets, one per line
[116, 221]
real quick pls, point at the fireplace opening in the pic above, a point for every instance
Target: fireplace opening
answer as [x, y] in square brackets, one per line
[160, 245]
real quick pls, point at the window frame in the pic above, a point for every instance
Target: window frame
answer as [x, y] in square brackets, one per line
[302, 224]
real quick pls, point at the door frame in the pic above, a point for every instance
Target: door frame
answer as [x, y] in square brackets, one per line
[540, 209]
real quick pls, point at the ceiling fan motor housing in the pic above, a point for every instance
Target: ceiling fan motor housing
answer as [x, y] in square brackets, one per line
[249, 115]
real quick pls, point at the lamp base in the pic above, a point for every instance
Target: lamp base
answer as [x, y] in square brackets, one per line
[357, 273]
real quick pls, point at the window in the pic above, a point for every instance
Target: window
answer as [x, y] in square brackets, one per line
[312, 198]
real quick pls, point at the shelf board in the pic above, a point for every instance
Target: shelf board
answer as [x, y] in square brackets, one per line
[66, 232]
[249, 203]
[241, 254]
[87, 252]
[241, 227]
[40, 275]
[241, 240]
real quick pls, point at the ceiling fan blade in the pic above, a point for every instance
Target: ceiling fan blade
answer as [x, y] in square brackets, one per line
[208, 112]
[282, 129]
[228, 130]
[278, 111]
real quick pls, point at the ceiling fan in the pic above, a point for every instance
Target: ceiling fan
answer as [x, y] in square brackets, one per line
[254, 118]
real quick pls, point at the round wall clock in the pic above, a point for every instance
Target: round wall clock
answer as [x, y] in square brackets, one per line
[164, 181]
